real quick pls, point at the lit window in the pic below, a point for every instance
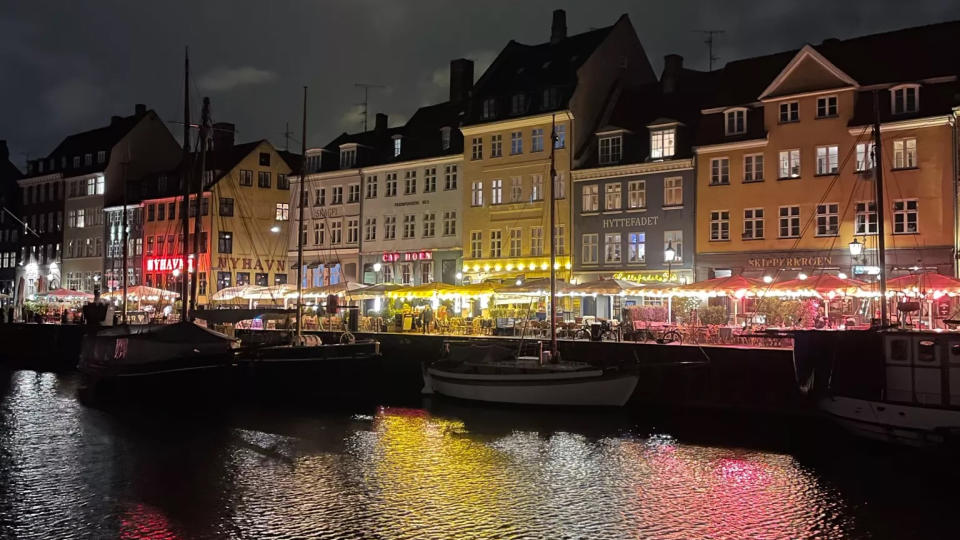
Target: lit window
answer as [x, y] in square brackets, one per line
[673, 191]
[397, 144]
[611, 197]
[611, 248]
[662, 143]
[283, 212]
[637, 194]
[636, 248]
[476, 194]
[789, 164]
[496, 191]
[904, 153]
[827, 159]
[674, 239]
[591, 197]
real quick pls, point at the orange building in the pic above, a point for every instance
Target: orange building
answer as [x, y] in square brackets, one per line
[785, 177]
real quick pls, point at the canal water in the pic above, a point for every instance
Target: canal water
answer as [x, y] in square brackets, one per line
[431, 468]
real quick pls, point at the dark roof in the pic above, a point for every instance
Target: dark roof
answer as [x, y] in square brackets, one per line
[935, 99]
[375, 146]
[530, 69]
[421, 135]
[91, 142]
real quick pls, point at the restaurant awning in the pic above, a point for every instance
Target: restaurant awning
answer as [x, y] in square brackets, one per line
[67, 295]
[605, 286]
[823, 285]
[142, 293]
[925, 283]
[737, 286]
[442, 290]
[342, 288]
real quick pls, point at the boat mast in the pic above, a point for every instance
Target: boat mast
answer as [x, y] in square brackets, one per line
[300, 200]
[197, 215]
[185, 178]
[124, 238]
[553, 256]
[878, 173]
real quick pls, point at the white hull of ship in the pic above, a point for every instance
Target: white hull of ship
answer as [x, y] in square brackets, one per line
[588, 388]
[891, 422]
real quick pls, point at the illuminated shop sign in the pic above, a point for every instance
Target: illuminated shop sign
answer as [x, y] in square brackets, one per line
[167, 264]
[396, 256]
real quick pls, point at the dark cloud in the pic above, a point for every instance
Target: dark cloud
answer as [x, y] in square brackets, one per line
[68, 66]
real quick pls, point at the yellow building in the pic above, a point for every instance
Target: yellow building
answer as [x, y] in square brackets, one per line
[244, 219]
[785, 177]
[507, 132]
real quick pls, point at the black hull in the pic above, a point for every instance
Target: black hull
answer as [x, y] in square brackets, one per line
[172, 380]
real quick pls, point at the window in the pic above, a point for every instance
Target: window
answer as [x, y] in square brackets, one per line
[789, 164]
[866, 217]
[612, 199]
[828, 221]
[611, 248]
[496, 191]
[348, 157]
[536, 187]
[753, 168]
[827, 160]
[516, 142]
[636, 247]
[517, 104]
[719, 171]
[410, 183]
[637, 194]
[226, 208]
[370, 229]
[673, 191]
[430, 180]
[172, 211]
[496, 146]
[476, 194]
[752, 223]
[353, 230]
[449, 223]
[150, 245]
[397, 146]
[536, 140]
[864, 156]
[610, 149]
[161, 212]
[591, 197]
[91, 187]
[495, 238]
[789, 112]
[353, 193]
[905, 216]
[303, 233]
[409, 226]
[337, 197]
[76, 161]
[551, 97]
[426, 271]
[905, 99]
[320, 197]
[561, 136]
[516, 241]
[489, 108]
[662, 143]
[559, 237]
[391, 185]
[243, 279]
[719, 225]
[516, 189]
[406, 273]
[283, 182]
[536, 241]
[263, 178]
[674, 239]
[388, 273]
[590, 250]
[559, 187]
[450, 177]
[826, 106]
[81, 213]
[283, 212]
[223, 280]
[476, 244]
[476, 148]
[445, 138]
[736, 122]
[371, 186]
[429, 225]
[319, 233]
[101, 157]
[389, 227]
[88, 159]
[260, 278]
[224, 242]
[904, 153]
[336, 232]
[789, 222]
[246, 178]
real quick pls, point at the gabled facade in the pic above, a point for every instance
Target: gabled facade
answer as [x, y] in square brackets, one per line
[568, 82]
[10, 228]
[785, 157]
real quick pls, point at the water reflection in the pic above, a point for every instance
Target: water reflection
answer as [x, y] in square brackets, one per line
[71, 471]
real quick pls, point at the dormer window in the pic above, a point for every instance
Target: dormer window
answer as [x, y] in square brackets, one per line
[906, 99]
[397, 145]
[517, 104]
[736, 121]
[76, 161]
[101, 156]
[489, 108]
[445, 138]
[662, 143]
[348, 156]
[551, 97]
[611, 149]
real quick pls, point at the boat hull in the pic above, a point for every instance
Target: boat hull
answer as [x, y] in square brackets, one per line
[593, 388]
[892, 422]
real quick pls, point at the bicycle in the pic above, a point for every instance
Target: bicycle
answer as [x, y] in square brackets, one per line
[668, 335]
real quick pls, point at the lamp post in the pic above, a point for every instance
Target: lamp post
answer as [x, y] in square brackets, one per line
[376, 270]
[668, 255]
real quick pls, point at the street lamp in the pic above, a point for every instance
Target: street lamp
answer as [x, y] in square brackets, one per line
[856, 248]
[668, 255]
[376, 270]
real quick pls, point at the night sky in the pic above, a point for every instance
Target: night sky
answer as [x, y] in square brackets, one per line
[68, 66]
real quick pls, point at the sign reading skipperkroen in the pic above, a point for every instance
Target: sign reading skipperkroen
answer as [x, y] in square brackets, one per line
[789, 262]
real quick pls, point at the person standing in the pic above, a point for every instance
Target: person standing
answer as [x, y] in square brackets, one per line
[427, 317]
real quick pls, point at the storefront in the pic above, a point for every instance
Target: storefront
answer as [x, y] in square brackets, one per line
[412, 267]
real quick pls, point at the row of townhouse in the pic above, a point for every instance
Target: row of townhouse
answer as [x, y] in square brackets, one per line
[761, 168]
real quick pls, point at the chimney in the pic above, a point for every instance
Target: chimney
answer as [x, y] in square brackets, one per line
[4, 151]
[670, 78]
[223, 135]
[461, 79]
[380, 125]
[140, 109]
[559, 29]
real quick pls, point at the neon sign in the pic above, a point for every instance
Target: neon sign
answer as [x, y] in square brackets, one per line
[408, 256]
[167, 264]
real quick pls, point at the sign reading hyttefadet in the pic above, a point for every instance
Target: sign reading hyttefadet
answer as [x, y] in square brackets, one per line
[623, 223]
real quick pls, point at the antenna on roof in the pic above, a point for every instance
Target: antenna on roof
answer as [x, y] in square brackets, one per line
[364, 91]
[709, 42]
[286, 138]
